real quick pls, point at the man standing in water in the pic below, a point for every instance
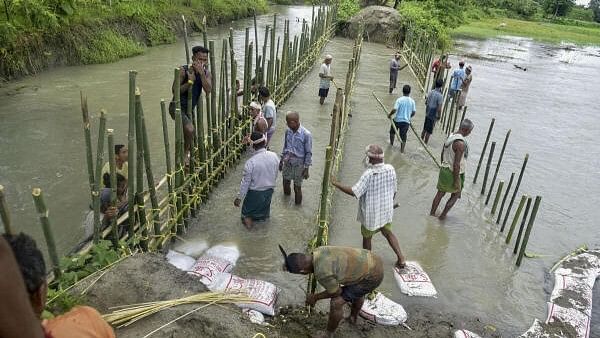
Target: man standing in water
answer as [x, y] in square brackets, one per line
[194, 78]
[404, 108]
[258, 181]
[464, 88]
[347, 274]
[259, 123]
[439, 68]
[326, 78]
[394, 68]
[296, 157]
[452, 173]
[375, 191]
[121, 161]
[433, 109]
[458, 76]
[269, 111]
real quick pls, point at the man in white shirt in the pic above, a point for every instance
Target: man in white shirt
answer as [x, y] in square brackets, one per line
[326, 78]
[258, 181]
[375, 190]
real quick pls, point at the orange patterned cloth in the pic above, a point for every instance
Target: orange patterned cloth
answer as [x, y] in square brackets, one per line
[80, 322]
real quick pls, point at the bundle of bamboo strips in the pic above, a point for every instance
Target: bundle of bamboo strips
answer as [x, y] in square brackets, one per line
[128, 314]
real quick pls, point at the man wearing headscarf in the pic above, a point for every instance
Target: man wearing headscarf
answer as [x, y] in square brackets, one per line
[258, 181]
[375, 191]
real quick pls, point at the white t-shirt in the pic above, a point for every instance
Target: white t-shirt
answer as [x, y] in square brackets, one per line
[325, 70]
[270, 111]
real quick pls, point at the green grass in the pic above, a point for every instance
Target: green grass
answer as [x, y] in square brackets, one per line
[540, 31]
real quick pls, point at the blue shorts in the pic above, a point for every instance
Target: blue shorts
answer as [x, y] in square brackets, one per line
[323, 92]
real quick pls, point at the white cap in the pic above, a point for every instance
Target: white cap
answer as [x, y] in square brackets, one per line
[255, 105]
[328, 57]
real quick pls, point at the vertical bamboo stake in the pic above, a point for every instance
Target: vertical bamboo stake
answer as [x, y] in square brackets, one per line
[185, 41]
[246, 67]
[487, 168]
[497, 198]
[264, 57]
[510, 182]
[487, 138]
[518, 240]
[498, 166]
[4, 213]
[179, 171]
[323, 210]
[515, 218]
[98, 183]
[113, 188]
[512, 200]
[40, 206]
[131, 147]
[139, 171]
[165, 127]
[463, 114]
[536, 205]
[89, 158]
[213, 106]
[256, 43]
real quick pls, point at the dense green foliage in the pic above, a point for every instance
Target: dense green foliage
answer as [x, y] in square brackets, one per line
[347, 9]
[595, 7]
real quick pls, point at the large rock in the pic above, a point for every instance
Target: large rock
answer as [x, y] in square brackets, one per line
[382, 24]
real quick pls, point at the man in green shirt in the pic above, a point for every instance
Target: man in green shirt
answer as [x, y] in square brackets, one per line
[347, 274]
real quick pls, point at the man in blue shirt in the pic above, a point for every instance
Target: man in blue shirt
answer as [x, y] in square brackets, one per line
[458, 76]
[433, 109]
[296, 157]
[404, 108]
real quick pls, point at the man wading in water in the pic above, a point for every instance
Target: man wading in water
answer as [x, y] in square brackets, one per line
[375, 190]
[404, 108]
[195, 77]
[347, 274]
[326, 78]
[269, 111]
[452, 173]
[433, 110]
[296, 157]
[258, 181]
[259, 123]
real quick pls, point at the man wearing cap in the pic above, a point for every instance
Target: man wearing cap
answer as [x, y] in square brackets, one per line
[346, 274]
[464, 88]
[458, 76]
[375, 190]
[258, 181]
[259, 123]
[326, 78]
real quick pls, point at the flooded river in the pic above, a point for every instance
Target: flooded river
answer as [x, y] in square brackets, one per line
[551, 108]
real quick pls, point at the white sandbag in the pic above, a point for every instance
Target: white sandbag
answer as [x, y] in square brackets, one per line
[573, 291]
[263, 294]
[465, 334]
[535, 331]
[578, 320]
[414, 281]
[254, 316]
[216, 260]
[180, 261]
[192, 248]
[382, 310]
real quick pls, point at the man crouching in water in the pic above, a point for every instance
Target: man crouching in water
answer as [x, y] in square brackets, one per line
[347, 274]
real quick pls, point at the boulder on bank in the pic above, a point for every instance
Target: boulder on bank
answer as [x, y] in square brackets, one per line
[381, 24]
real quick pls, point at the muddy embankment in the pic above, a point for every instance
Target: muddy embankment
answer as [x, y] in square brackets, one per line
[149, 277]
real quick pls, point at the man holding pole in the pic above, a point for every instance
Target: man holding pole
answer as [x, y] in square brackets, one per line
[326, 78]
[375, 191]
[452, 172]
[404, 108]
[194, 78]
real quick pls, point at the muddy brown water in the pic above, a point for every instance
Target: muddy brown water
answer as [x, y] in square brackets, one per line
[551, 108]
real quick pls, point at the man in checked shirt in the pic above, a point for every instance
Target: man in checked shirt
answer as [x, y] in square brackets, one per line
[296, 157]
[375, 190]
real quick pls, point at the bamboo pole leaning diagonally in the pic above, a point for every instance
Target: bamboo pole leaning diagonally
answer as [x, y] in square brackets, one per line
[536, 205]
[4, 213]
[516, 189]
[523, 220]
[510, 182]
[42, 210]
[487, 167]
[498, 166]
[516, 218]
[497, 198]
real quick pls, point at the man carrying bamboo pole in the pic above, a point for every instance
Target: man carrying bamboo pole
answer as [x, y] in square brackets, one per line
[121, 161]
[404, 108]
[347, 274]
[197, 77]
[375, 191]
[452, 172]
[433, 109]
[326, 78]
[258, 181]
[296, 157]
[81, 321]
[269, 111]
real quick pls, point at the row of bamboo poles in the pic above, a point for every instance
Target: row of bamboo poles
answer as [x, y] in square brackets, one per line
[335, 149]
[159, 211]
[418, 50]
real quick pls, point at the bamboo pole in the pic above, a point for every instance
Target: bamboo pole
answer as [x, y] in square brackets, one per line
[487, 167]
[512, 200]
[463, 114]
[165, 128]
[487, 139]
[515, 218]
[179, 167]
[185, 41]
[536, 205]
[264, 57]
[98, 174]
[498, 166]
[4, 213]
[247, 73]
[132, 150]
[497, 198]
[510, 182]
[518, 240]
[87, 135]
[256, 72]
[113, 188]
[40, 206]
[139, 171]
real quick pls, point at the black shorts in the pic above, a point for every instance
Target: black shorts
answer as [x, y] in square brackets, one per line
[323, 92]
[402, 129]
[353, 292]
[428, 125]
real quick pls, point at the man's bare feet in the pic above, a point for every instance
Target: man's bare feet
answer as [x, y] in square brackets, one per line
[400, 265]
[442, 217]
[248, 222]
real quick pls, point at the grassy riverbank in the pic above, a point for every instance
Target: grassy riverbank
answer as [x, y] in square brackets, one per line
[38, 37]
[586, 34]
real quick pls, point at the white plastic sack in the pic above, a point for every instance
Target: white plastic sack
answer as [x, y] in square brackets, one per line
[577, 319]
[573, 290]
[465, 334]
[263, 294]
[180, 261]
[254, 316]
[535, 331]
[382, 310]
[192, 248]
[414, 281]
[216, 260]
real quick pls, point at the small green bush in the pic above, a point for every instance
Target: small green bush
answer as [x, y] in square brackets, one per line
[108, 46]
[347, 9]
